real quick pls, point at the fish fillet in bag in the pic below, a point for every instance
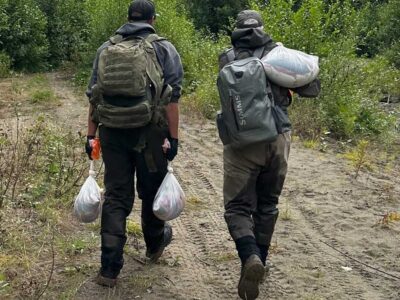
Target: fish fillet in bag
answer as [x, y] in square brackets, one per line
[170, 198]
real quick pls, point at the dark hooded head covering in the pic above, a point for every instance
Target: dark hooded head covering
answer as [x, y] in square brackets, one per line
[249, 32]
[248, 19]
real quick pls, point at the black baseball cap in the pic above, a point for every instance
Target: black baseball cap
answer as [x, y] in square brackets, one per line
[249, 19]
[141, 10]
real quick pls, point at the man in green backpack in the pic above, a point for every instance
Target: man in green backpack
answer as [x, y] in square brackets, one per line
[255, 152]
[133, 94]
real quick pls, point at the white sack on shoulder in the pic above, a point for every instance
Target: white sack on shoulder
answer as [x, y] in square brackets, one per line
[87, 203]
[170, 199]
[290, 68]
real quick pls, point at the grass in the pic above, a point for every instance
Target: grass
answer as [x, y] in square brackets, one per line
[389, 218]
[360, 157]
[285, 213]
[194, 202]
[311, 144]
[38, 80]
[40, 90]
[42, 96]
[35, 220]
[141, 283]
[76, 245]
[134, 229]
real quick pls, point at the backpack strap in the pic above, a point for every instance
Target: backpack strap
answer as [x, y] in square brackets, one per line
[230, 54]
[154, 37]
[116, 39]
[259, 52]
[270, 93]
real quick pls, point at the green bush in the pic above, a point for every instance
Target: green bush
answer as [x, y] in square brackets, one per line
[393, 55]
[67, 29]
[43, 158]
[214, 16]
[5, 64]
[351, 87]
[335, 30]
[378, 30]
[199, 54]
[105, 17]
[24, 38]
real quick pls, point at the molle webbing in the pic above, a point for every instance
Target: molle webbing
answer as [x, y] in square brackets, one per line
[130, 82]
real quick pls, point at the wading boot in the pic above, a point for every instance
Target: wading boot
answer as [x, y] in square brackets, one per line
[105, 281]
[252, 274]
[154, 256]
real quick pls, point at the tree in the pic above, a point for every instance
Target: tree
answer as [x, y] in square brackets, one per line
[23, 37]
[214, 15]
[67, 28]
[378, 31]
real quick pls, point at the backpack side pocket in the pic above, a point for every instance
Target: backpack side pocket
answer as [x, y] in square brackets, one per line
[222, 130]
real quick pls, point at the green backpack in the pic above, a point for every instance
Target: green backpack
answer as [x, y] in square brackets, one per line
[129, 84]
[246, 115]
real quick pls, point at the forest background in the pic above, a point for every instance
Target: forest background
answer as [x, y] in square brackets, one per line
[358, 43]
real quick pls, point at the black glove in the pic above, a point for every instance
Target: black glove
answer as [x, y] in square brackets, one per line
[173, 150]
[88, 148]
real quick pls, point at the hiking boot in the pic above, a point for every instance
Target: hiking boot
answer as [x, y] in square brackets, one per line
[105, 281]
[167, 238]
[252, 274]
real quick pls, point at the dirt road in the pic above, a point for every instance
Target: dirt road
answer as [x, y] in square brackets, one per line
[327, 243]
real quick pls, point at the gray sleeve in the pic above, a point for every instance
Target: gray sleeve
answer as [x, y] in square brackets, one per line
[171, 64]
[93, 78]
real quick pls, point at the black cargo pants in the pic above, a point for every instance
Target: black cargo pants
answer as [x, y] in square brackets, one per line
[253, 181]
[122, 160]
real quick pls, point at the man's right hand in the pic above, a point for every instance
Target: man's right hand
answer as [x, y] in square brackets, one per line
[88, 147]
[173, 150]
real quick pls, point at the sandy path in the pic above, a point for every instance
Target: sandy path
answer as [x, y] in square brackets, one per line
[322, 205]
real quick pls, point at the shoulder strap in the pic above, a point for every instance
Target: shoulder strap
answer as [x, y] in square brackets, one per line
[154, 37]
[150, 38]
[270, 93]
[259, 52]
[230, 54]
[116, 39]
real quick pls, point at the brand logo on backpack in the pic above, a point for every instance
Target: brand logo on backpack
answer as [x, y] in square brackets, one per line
[239, 109]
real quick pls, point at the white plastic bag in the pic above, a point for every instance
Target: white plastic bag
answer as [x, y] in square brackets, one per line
[290, 68]
[87, 203]
[170, 199]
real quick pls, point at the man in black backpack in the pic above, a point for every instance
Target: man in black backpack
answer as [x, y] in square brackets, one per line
[254, 175]
[134, 93]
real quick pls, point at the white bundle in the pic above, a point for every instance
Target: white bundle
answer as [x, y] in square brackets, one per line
[290, 68]
[87, 203]
[170, 199]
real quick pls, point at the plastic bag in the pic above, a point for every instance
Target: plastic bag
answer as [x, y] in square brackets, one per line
[290, 68]
[170, 198]
[88, 202]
